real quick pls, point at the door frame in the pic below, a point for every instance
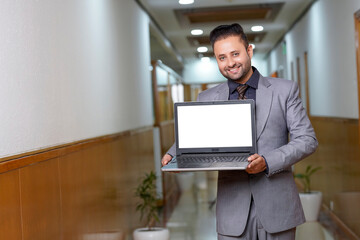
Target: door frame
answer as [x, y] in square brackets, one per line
[357, 45]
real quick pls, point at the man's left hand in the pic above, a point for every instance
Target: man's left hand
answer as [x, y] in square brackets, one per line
[257, 164]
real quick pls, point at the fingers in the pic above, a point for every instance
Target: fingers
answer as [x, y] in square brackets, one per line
[256, 164]
[166, 159]
[253, 157]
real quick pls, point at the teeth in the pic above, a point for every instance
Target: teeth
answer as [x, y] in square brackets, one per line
[233, 69]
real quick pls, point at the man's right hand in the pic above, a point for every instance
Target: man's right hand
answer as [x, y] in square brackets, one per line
[166, 159]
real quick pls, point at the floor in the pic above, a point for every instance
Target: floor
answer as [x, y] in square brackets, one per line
[194, 216]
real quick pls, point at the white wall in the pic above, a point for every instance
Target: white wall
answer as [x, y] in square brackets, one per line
[260, 65]
[327, 33]
[199, 72]
[71, 70]
[278, 62]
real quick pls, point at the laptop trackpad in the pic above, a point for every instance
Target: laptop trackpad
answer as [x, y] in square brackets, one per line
[229, 164]
[194, 165]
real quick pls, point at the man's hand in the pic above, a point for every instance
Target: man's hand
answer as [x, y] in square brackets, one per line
[256, 164]
[166, 159]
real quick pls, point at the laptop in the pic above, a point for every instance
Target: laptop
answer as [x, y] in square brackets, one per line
[213, 136]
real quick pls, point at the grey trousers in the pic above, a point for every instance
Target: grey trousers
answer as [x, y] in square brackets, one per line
[255, 231]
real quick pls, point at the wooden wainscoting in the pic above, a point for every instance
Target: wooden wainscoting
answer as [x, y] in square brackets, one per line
[167, 136]
[339, 156]
[171, 188]
[76, 191]
[10, 208]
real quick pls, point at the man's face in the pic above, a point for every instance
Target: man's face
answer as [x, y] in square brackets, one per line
[233, 59]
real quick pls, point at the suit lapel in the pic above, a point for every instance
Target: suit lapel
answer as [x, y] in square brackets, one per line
[223, 92]
[263, 104]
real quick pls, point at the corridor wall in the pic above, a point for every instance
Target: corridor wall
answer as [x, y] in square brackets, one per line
[70, 71]
[76, 125]
[327, 33]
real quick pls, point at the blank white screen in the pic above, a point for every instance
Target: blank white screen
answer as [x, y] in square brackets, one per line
[206, 126]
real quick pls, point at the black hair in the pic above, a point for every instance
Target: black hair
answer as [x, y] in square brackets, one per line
[224, 31]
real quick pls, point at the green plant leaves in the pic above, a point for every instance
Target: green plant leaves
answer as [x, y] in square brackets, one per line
[305, 177]
[146, 192]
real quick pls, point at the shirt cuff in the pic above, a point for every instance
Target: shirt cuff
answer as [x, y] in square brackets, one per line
[267, 166]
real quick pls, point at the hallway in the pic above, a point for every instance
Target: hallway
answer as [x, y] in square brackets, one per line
[86, 100]
[194, 218]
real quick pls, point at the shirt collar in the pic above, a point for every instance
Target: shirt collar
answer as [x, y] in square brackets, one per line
[252, 82]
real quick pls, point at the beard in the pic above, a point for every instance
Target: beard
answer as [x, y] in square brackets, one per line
[242, 75]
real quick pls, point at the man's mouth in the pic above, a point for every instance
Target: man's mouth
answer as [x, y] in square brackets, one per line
[233, 70]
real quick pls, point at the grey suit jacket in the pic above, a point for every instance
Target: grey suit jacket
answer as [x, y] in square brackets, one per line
[284, 137]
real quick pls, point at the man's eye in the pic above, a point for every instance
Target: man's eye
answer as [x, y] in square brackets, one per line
[236, 54]
[221, 58]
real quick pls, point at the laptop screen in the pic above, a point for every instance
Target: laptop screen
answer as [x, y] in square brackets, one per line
[214, 126]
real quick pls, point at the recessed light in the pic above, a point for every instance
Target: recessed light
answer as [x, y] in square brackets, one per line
[253, 45]
[186, 2]
[202, 49]
[197, 32]
[257, 28]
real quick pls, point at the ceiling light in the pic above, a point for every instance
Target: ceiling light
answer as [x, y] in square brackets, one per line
[197, 32]
[257, 28]
[253, 45]
[205, 59]
[186, 2]
[202, 49]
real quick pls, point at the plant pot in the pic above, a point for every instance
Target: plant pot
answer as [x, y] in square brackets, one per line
[311, 203]
[153, 234]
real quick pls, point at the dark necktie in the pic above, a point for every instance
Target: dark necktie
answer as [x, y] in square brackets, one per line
[241, 90]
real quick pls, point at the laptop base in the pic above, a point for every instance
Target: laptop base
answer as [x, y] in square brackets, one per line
[173, 166]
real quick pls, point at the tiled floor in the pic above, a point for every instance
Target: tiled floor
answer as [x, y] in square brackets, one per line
[194, 219]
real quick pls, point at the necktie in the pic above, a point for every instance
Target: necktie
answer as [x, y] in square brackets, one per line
[241, 90]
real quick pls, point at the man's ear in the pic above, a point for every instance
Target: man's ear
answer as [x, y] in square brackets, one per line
[250, 50]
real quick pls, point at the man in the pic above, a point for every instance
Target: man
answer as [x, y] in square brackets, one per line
[261, 202]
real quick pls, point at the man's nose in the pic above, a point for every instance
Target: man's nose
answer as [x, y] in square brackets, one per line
[230, 63]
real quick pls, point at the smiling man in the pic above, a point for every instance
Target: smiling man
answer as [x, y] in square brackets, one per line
[234, 59]
[261, 202]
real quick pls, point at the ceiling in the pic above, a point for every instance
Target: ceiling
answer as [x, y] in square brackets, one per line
[173, 44]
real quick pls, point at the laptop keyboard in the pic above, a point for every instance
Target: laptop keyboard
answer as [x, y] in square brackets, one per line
[210, 159]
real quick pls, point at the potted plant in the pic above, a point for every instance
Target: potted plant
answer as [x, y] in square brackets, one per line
[310, 200]
[148, 208]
